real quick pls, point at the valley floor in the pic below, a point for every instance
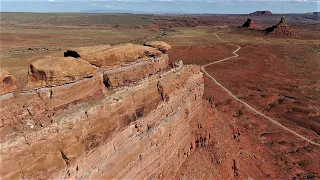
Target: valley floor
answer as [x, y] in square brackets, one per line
[276, 75]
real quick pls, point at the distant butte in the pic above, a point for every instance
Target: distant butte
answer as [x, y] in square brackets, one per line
[261, 13]
[281, 29]
[250, 24]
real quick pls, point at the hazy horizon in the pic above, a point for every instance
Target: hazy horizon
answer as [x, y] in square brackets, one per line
[162, 6]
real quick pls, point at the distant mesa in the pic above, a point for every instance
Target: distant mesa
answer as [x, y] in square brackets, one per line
[250, 24]
[261, 13]
[281, 29]
[314, 13]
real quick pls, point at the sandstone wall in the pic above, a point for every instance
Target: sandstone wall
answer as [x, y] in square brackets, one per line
[131, 73]
[135, 120]
[40, 103]
[132, 133]
[123, 53]
[55, 71]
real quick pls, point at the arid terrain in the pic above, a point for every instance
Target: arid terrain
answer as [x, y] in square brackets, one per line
[276, 73]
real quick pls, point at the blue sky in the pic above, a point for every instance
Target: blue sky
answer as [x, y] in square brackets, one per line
[162, 6]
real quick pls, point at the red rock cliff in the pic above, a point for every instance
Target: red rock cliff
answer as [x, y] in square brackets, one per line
[133, 120]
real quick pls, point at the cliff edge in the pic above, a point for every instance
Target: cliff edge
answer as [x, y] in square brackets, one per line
[115, 112]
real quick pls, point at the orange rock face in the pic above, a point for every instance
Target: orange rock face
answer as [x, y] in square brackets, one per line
[127, 134]
[123, 53]
[7, 82]
[52, 71]
[83, 130]
[130, 73]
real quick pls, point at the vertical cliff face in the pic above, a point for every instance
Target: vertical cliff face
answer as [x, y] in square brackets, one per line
[135, 119]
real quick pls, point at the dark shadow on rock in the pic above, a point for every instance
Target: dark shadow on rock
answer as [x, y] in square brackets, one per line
[247, 23]
[70, 53]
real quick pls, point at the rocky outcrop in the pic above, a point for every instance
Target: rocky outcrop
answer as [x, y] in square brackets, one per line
[7, 82]
[160, 45]
[130, 62]
[54, 71]
[38, 105]
[127, 74]
[250, 24]
[81, 129]
[123, 53]
[281, 29]
[261, 13]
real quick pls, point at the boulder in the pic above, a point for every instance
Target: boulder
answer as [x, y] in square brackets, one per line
[53, 71]
[123, 53]
[7, 82]
[160, 45]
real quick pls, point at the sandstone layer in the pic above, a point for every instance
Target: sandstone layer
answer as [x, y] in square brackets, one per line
[130, 73]
[83, 129]
[53, 71]
[123, 53]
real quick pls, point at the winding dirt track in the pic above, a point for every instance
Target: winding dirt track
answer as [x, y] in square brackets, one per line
[244, 103]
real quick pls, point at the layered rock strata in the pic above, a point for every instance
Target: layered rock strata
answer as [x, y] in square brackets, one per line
[54, 71]
[130, 73]
[123, 53]
[84, 130]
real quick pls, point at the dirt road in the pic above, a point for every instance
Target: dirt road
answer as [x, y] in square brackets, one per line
[244, 103]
